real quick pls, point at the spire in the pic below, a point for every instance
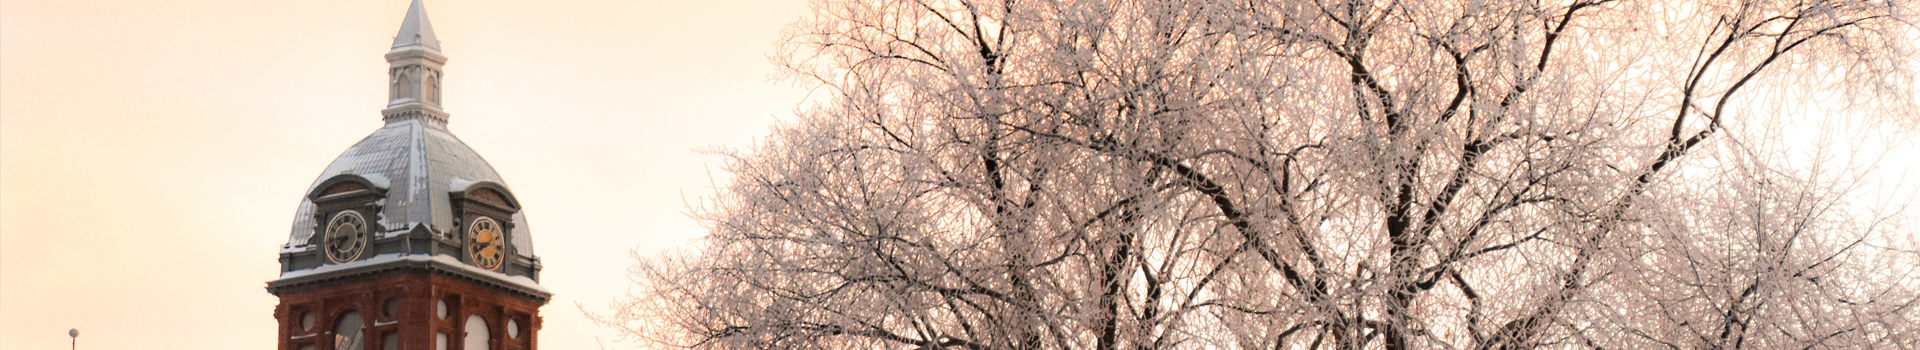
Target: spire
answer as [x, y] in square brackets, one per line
[416, 30]
[414, 79]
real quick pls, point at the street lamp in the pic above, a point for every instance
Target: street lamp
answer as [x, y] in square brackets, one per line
[75, 334]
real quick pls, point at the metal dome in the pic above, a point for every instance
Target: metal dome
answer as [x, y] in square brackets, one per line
[419, 163]
[410, 198]
[404, 192]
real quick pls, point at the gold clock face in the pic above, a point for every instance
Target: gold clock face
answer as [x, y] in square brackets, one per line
[346, 236]
[486, 243]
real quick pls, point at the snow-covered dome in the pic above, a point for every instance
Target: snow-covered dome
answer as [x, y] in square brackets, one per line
[411, 191]
[420, 165]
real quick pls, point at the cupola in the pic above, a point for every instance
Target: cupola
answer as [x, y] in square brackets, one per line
[414, 70]
[411, 188]
[409, 240]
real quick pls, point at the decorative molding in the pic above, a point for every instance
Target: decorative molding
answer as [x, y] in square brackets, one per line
[413, 112]
[439, 264]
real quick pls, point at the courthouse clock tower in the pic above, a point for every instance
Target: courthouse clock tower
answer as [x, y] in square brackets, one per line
[409, 240]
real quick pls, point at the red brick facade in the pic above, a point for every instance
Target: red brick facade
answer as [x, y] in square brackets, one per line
[403, 305]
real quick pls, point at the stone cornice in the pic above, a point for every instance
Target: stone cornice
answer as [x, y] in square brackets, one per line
[414, 110]
[436, 264]
[416, 51]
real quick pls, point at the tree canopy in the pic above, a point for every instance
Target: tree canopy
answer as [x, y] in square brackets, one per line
[1324, 174]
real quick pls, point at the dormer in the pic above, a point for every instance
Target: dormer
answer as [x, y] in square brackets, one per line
[485, 211]
[346, 217]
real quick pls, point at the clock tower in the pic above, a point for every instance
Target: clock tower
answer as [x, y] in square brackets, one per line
[409, 240]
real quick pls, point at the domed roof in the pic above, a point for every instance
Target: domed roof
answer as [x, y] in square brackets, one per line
[411, 198]
[419, 164]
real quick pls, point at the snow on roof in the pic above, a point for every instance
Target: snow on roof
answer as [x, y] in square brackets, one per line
[459, 184]
[436, 260]
[418, 161]
[377, 179]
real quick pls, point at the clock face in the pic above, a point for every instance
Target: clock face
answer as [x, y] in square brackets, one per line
[346, 236]
[486, 243]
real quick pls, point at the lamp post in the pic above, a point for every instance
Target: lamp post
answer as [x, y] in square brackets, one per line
[75, 334]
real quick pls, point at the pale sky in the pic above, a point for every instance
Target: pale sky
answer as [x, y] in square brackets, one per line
[152, 153]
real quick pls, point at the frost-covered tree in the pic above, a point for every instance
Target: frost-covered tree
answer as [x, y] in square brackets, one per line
[1260, 174]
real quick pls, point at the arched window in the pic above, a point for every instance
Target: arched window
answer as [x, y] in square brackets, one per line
[347, 332]
[407, 84]
[433, 88]
[476, 334]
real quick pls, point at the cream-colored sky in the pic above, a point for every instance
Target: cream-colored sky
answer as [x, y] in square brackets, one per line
[152, 153]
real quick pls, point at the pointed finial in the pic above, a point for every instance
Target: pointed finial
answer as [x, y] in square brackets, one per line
[416, 30]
